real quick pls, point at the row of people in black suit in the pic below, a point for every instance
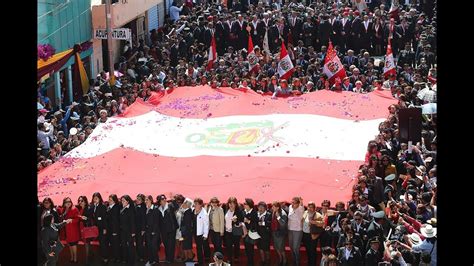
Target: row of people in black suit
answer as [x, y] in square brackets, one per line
[356, 34]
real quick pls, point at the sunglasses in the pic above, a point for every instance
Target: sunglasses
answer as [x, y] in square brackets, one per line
[327, 206]
[357, 219]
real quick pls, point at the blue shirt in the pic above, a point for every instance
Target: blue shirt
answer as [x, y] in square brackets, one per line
[426, 247]
[63, 122]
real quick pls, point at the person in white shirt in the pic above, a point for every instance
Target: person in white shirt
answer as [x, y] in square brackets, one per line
[45, 131]
[295, 228]
[201, 230]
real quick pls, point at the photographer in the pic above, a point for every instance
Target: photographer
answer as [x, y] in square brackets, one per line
[50, 242]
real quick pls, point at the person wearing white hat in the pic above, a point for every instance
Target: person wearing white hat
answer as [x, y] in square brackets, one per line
[429, 244]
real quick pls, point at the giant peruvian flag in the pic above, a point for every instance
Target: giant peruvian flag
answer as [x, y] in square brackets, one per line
[204, 142]
[333, 67]
[389, 66]
[212, 54]
[252, 57]
[285, 66]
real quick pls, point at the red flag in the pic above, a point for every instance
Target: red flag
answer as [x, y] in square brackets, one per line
[389, 67]
[285, 66]
[252, 57]
[333, 67]
[212, 54]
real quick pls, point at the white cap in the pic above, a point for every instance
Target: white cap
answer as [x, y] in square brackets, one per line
[73, 131]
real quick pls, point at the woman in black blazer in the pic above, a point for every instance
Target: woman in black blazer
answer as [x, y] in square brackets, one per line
[127, 229]
[113, 227]
[152, 230]
[50, 242]
[186, 228]
[98, 213]
[233, 220]
[251, 223]
[264, 230]
[168, 227]
[48, 208]
[140, 210]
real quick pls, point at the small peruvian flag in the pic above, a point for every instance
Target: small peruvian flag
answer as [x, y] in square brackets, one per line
[333, 67]
[252, 57]
[212, 54]
[389, 67]
[285, 66]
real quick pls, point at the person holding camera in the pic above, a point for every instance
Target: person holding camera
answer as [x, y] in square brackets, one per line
[50, 242]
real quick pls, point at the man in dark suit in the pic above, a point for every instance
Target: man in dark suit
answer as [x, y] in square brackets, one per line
[324, 31]
[406, 56]
[350, 59]
[254, 24]
[376, 183]
[346, 31]
[279, 31]
[309, 36]
[373, 255]
[208, 32]
[366, 34]
[336, 26]
[262, 27]
[356, 32]
[360, 225]
[391, 32]
[428, 55]
[221, 36]
[296, 27]
[349, 255]
[406, 32]
[239, 30]
[168, 226]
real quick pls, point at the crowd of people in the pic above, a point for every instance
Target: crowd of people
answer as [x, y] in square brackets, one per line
[391, 216]
[176, 55]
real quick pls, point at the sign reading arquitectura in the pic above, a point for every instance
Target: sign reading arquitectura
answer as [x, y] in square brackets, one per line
[118, 34]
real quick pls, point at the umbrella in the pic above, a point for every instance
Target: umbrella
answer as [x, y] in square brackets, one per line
[429, 108]
[117, 74]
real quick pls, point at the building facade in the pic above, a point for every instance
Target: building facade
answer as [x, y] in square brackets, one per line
[140, 16]
[62, 24]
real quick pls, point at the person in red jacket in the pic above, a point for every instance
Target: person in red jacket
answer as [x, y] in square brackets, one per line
[69, 211]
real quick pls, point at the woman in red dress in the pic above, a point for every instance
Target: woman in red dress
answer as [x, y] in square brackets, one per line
[69, 211]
